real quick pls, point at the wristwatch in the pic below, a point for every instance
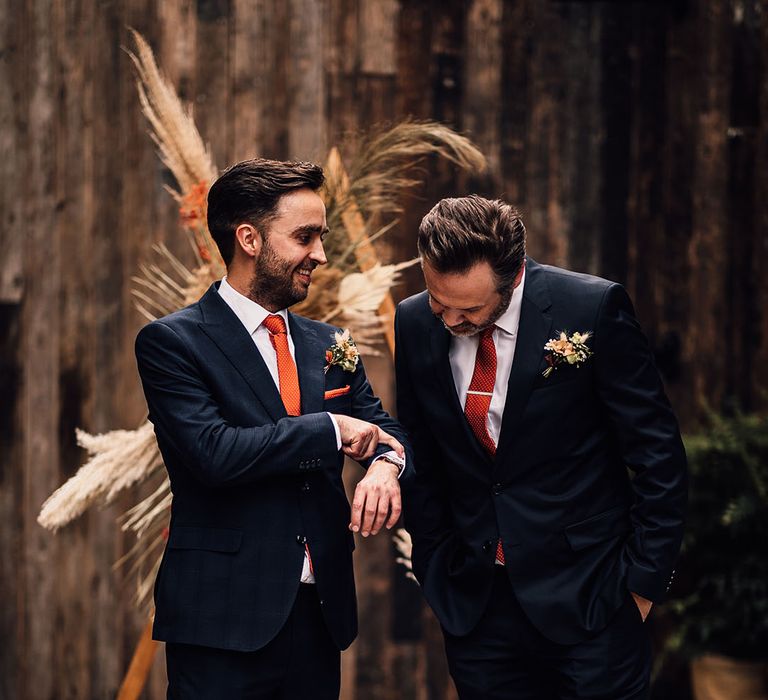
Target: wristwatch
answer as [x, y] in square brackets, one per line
[393, 458]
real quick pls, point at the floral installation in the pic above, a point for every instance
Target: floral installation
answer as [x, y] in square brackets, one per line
[569, 350]
[343, 352]
[361, 198]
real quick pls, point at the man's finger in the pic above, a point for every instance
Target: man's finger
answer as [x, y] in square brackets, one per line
[387, 439]
[358, 503]
[369, 512]
[395, 508]
[382, 510]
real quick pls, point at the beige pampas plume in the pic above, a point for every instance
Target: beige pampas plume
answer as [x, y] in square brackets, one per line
[119, 459]
[173, 128]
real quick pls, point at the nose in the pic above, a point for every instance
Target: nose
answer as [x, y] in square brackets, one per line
[317, 254]
[452, 318]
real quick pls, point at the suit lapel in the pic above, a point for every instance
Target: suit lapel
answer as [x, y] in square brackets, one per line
[310, 361]
[440, 340]
[224, 328]
[533, 332]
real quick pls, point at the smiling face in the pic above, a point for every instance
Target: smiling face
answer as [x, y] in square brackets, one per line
[466, 302]
[289, 250]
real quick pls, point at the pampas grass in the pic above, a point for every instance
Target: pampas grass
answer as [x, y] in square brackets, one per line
[118, 459]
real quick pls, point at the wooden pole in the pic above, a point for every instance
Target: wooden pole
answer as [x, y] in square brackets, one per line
[141, 664]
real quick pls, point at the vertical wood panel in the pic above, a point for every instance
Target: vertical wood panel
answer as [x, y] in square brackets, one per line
[482, 93]
[306, 111]
[40, 340]
[708, 245]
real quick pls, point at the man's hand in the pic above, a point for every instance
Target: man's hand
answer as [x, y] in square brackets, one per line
[377, 499]
[360, 439]
[643, 605]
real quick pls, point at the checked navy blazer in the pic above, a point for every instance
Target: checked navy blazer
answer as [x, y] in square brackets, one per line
[251, 485]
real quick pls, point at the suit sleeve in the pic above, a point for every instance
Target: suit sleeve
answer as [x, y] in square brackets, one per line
[367, 406]
[649, 439]
[427, 517]
[186, 416]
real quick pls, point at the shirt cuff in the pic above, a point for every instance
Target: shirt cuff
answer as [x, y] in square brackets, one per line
[393, 458]
[336, 429]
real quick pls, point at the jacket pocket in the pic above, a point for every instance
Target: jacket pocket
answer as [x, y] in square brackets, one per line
[334, 393]
[205, 538]
[597, 528]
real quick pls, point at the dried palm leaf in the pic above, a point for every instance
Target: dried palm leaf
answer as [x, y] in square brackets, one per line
[385, 167]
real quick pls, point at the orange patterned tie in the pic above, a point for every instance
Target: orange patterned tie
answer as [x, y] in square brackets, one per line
[286, 367]
[287, 376]
[479, 397]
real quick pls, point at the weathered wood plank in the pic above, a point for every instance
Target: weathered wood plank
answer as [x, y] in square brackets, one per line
[306, 79]
[482, 80]
[41, 331]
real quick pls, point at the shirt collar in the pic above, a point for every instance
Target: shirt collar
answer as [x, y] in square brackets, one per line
[509, 321]
[250, 313]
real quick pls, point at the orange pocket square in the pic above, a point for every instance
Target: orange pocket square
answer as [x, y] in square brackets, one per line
[333, 393]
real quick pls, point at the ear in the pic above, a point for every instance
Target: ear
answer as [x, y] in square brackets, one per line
[248, 240]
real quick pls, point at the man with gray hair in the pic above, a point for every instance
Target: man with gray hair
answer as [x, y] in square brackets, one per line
[528, 391]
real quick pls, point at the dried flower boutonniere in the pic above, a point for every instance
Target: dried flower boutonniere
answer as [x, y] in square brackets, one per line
[570, 350]
[343, 352]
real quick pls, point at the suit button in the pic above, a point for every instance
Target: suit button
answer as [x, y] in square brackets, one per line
[497, 489]
[487, 545]
[305, 486]
[301, 539]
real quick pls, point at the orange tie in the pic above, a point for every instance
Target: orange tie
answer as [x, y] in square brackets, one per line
[286, 367]
[287, 376]
[479, 397]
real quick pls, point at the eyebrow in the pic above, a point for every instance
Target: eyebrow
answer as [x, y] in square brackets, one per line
[311, 228]
[468, 308]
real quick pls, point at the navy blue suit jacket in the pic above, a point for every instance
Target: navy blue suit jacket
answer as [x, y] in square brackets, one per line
[250, 484]
[578, 532]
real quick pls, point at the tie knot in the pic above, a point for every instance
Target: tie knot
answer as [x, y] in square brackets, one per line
[275, 324]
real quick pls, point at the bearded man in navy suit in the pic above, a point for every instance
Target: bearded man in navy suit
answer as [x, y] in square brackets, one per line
[528, 392]
[255, 595]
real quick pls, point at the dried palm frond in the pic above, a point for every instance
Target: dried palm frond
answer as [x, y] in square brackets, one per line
[323, 293]
[359, 298]
[386, 166]
[118, 459]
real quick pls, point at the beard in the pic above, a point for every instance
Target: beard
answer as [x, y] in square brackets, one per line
[273, 285]
[465, 329]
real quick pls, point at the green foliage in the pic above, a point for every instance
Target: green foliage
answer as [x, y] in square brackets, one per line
[722, 598]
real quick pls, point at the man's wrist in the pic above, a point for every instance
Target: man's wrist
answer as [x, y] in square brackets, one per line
[392, 458]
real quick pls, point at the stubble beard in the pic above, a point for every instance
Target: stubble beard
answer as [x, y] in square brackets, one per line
[273, 284]
[467, 329]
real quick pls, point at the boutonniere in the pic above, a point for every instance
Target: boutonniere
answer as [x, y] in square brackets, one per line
[570, 350]
[343, 352]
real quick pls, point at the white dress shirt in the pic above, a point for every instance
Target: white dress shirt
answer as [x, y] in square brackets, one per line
[252, 316]
[462, 355]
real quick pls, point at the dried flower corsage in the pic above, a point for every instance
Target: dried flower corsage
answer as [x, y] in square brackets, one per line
[343, 352]
[570, 350]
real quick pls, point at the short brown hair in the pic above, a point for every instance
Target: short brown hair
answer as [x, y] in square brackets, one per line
[463, 231]
[249, 192]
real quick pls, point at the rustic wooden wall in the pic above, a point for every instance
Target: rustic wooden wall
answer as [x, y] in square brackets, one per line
[634, 137]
